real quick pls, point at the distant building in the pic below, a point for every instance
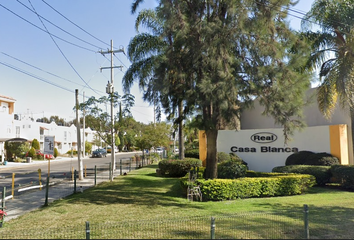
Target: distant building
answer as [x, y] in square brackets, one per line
[27, 130]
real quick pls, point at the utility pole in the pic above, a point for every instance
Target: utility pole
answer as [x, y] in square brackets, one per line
[81, 176]
[83, 129]
[110, 90]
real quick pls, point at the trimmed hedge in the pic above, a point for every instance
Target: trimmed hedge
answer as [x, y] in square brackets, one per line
[192, 153]
[311, 158]
[322, 159]
[176, 167]
[321, 173]
[298, 158]
[344, 175]
[231, 189]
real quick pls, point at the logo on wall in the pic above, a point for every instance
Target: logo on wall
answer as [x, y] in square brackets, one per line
[264, 137]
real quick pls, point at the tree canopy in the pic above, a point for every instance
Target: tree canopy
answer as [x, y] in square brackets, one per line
[229, 53]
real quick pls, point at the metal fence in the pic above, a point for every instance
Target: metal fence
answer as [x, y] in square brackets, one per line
[253, 225]
[99, 173]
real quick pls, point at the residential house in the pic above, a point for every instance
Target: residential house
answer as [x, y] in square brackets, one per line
[12, 129]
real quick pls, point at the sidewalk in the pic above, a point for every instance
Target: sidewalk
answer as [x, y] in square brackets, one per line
[35, 199]
[21, 164]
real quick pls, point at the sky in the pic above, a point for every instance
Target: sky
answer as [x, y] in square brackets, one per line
[42, 71]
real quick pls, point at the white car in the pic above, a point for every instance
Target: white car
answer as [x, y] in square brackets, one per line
[159, 150]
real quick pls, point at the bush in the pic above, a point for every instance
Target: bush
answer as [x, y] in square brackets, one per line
[321, 173]
[222, 157]
[233, 156]
[231, 169]
[32, 153]
[322, 159]
[298, 158]
[177, 168]
[35, 144]
[193, 153]
[231, 189]
[344, 175]
[56, 153]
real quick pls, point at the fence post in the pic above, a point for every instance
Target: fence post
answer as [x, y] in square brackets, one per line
[3, 198]
[120, 167]
[87, 230]
[95, 175]
[212, 228]
[306, 221]
[75, 181]
[46, 192]
[130, 164]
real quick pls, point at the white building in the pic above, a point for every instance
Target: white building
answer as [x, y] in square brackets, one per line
[260, 142]
[27, 130]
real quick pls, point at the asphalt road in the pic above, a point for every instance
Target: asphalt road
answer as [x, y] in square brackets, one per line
[28, 197]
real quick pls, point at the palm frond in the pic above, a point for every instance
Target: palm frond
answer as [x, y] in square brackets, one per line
[327, 97]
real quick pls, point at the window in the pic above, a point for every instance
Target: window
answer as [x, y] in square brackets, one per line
[18, 130]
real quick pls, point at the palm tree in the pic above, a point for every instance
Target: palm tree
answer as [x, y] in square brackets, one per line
[156, 66]
[333, 54]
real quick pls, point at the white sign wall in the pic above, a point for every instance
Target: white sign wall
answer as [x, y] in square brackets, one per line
[264, 149]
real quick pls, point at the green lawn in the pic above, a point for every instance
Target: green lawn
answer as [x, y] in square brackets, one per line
[141, 195]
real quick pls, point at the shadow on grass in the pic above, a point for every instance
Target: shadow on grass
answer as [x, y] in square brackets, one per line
[142, 187]
[139, 187]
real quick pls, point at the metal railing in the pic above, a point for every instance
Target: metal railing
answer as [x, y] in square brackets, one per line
[97, 173]
[252, 225]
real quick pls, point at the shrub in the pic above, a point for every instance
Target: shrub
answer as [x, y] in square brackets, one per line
[321, 173]
[230, 189]
[231, 169]
[35, 144]
[298, 158]
[32, 153]
[344, 175]
[322, 159]
[193, 153]
[222, 157]
[178, 168]
[237, 158]
[56, 153]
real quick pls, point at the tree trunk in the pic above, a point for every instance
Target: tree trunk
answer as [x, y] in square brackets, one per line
[180, 131]
[211, 161]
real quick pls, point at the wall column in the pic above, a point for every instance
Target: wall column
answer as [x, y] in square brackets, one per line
[202, 147]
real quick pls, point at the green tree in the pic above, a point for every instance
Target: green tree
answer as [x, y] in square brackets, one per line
[88, 147]
[35, 144]
[156, 66]
[332, 53]
[234, 52]
[99, 120]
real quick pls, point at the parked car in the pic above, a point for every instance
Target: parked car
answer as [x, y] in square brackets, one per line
[159, 150]
[99, 153]
[109, 150]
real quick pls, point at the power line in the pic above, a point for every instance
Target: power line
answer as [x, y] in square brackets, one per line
[40, 69]
[75, 24]
[57, 26]
[62, 51]
[36, 77]
[52, 35]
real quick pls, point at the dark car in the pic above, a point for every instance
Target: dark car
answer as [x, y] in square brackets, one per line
[99, 153]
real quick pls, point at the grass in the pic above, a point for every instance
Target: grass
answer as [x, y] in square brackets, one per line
[141, 195]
